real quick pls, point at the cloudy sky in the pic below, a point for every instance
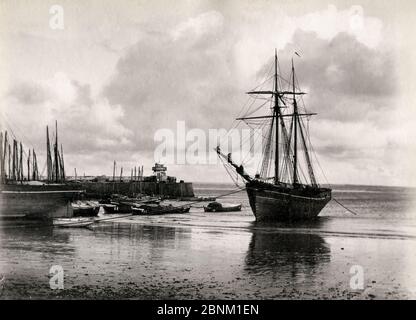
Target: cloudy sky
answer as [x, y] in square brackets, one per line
[120, 70]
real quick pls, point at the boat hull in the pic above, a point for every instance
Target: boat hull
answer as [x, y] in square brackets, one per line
[117, 208]
[278, 205]
[72, 222]
[223, 209]
[110, 208]
[86, 212]
[160, 210]
[17, 201]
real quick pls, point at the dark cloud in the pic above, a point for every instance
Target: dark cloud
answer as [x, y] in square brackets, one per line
[162, 80]
[345, 79]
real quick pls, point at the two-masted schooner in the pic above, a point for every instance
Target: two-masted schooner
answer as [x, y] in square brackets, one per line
[291, 193]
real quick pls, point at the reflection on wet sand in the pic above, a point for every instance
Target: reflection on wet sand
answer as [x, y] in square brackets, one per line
[24, 236]
[164, 258]
[284, 249]
[139, 232]
[135, 242]
[112, 256]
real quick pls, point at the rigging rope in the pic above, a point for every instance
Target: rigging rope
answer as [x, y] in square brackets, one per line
[346, 208]
[267, 151]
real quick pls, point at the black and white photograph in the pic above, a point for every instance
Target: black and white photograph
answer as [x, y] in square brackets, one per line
[207, 150]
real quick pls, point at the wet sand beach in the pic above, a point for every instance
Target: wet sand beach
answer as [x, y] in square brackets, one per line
[221, 255]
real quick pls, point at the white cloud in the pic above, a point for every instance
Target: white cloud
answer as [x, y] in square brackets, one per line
[260, 31]
[206, 23]
[61, 88]
[328, 23]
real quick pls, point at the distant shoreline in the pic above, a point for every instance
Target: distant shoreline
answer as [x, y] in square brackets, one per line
[197, 183]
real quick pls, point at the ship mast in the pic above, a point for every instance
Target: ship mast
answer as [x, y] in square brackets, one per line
[48, 157]
[278, 116]
[295, 136]
[276, 113]
[56, 153]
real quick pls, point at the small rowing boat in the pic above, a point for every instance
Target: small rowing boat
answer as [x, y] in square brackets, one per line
[72, 222]
[85, 208]
[222, 207]
[197, 199]
[153, 209]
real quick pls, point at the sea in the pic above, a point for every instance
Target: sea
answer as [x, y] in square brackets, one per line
[364, 249]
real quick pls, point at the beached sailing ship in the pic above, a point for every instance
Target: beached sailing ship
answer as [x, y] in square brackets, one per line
[26, 194]
[291, 192]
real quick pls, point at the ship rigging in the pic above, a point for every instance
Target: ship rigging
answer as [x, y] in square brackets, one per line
[281, 189]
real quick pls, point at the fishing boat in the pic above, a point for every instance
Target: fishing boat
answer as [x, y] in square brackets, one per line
[138, 211]
[73, 222]
[283, 189]
[85, 208]
[96, 207]
[138, 199]
[197, 199]
[110, 207]
[147, 199]
[26, 194]
[123, 204]
[117, 207]
[157, 209]
[222, 207]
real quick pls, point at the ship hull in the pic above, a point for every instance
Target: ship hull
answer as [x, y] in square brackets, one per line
[87, 212]
[43, 201]
[269, 204]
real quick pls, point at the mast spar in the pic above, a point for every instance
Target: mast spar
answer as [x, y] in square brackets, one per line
[56, 153]
[48, 156]
[276, 113]
[289, 138]
[295, 133]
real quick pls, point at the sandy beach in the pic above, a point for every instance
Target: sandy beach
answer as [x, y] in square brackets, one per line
[219, 255]
[213, 256]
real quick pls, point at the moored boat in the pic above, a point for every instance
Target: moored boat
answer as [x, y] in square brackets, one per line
[109, 208]
[117, 207]
[147, 200]
[85, 208]
[152, 209]
[123, 207]
[37, 200]
[222, 207]
[27, 194]
[283, 189]
[124, 204]
[73, 222]
[197, 199]
[137, 211]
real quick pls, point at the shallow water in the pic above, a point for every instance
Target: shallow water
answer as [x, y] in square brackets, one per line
[223, 255]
